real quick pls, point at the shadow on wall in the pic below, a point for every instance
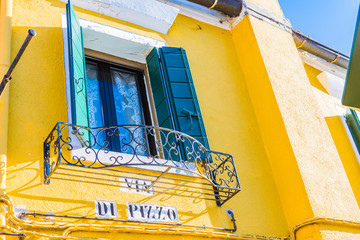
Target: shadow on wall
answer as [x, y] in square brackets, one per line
[37, 102]
[316, 79]
[37, 93]
[346, 153]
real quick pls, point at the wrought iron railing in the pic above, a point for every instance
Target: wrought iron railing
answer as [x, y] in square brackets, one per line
[173, 162]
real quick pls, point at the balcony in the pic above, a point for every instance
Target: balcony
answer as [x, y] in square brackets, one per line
[159, 160]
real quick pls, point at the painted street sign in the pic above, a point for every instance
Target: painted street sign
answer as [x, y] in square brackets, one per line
[105, 208]
[152, 213]
[136, 185]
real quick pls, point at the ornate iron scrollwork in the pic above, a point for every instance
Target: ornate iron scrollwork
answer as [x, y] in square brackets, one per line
[136, 146]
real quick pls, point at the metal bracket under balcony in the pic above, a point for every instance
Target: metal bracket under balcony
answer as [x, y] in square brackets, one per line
[159, 160]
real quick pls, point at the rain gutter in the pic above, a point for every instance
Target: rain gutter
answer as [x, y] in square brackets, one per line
[320, 50]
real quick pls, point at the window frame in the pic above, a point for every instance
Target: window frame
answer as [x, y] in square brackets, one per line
[103, 72]
[137, 66]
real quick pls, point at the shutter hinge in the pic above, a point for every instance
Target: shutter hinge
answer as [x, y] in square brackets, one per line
[190, 115]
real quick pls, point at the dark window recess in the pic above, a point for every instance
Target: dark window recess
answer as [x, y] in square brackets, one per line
[116, 96]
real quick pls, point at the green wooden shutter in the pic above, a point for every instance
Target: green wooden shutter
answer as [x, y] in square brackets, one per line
[354, 126]
[351, 96]
[160, 93]
[161, 100]
[172, 84]
[183, 99]
[79, 104]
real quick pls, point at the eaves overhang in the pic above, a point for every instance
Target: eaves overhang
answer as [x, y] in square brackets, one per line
[149, 14]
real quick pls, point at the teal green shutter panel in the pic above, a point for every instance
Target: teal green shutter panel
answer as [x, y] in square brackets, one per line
[161, 100]
[183, 99]
[79, 104]
[351, 96]
[354, 126]
[160, 93]
[171, 78]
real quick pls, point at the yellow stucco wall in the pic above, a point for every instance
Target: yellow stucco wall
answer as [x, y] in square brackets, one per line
[307, 168]
[259, 102]
[268, 113]
[38, 101]
[336, 127]
[330, 110]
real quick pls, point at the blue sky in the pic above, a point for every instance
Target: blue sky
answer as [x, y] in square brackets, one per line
[331, 22]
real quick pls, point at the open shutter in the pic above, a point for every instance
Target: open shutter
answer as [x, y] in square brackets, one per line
[174, 93]
[159, 89]
[182, 95]
[354, 126]
[161, 99]
[77, 70]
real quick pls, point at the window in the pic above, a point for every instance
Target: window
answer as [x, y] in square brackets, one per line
[115, 95]
[102, 93]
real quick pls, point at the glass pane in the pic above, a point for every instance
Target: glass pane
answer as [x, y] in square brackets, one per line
[95, 107]
[128, 111]
[126, 96]
[94, 99]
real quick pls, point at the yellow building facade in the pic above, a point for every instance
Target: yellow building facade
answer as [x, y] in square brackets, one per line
[279, 162]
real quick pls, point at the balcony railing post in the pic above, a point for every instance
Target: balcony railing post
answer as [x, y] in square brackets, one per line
[46, 162]
[59, 130]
